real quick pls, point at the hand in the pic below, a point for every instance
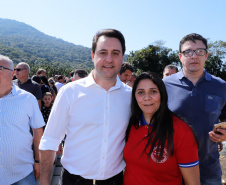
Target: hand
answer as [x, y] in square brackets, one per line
[215, 137]
[60, 150]
[36, 171]
[220, 147]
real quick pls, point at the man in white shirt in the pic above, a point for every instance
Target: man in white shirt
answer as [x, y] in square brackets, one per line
[18, 112]
[59, 83]
[94, 111]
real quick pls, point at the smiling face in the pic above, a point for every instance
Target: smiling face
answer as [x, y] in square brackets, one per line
[194, 64]
[107, 59]
[148, 98]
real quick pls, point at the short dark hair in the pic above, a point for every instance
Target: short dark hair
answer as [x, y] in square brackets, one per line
[60, 77]
[81, 73]
[44, 79]
[40, 71]
[193, 37]
[170, 66]
[36, 78]
[162, 131]
[125, 66]
[112, 33]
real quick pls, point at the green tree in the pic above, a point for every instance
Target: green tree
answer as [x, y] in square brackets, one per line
[215, 63]
[152, 58]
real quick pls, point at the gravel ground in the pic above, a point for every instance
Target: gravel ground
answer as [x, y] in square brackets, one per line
[223, 163]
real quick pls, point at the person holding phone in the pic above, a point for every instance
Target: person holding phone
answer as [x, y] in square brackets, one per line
[200, 99]
[160, 148]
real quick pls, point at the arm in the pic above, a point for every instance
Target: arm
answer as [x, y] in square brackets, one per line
[39, 104]
[37, 134]
[218, 137]
[191, 175]
[60, 149]
[46, 164]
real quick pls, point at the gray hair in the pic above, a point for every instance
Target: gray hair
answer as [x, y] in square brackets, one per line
[8, 60]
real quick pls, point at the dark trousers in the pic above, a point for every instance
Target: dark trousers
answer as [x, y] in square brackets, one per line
[70, 179]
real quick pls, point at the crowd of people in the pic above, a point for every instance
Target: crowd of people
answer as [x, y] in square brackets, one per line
[117, 127]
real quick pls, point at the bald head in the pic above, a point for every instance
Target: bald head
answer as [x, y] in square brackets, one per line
[22, 71]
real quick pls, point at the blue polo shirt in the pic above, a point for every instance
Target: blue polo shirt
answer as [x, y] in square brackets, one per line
[201, 106]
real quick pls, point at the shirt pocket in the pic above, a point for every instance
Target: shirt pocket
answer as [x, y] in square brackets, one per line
[213, 104]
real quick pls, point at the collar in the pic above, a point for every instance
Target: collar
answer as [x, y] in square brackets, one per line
[143, 122]
[90, 81]
[14, 90]
[28, 81]
[206, 75]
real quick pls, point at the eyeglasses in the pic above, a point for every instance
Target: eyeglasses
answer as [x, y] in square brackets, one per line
[18, 69]
[198, 52]
[2, 67]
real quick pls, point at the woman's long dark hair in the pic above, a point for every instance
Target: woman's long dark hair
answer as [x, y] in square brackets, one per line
[162, 130]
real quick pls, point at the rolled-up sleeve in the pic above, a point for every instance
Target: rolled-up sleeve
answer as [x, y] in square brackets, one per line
[57, 123]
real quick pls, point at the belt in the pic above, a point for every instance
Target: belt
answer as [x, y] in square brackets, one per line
[98, 182]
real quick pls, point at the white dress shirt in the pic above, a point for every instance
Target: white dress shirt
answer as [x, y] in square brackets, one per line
[95, 121]
[58, 85]
[19, 111]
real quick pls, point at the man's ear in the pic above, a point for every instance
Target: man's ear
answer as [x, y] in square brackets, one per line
[180, 55]
[207, 54]
[12, 74]
[92, 55]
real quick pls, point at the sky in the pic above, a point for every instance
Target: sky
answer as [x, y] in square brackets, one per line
[142, 22]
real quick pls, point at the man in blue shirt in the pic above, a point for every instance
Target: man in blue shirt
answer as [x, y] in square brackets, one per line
[18, 112]
[200, 99]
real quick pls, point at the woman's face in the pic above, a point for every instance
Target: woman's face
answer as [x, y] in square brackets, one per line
[148, 97]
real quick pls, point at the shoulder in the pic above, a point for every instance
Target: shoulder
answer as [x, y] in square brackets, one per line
[33, 82]
[126, 88]
[180, 126]
[74, 87]
[218, 81]
[174, 78]
[20, 93]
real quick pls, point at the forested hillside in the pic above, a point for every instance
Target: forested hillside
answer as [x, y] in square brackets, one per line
[22, 42]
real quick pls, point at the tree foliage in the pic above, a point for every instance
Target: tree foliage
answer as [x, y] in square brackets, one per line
[155, 58]
[152, 58]
[215, 63]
